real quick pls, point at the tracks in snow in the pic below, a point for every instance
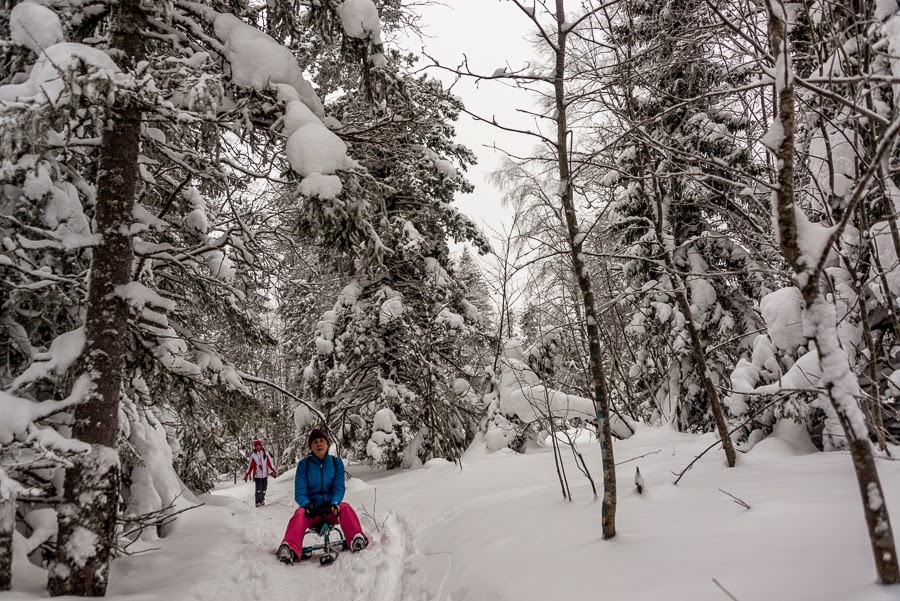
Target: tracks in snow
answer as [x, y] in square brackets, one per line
[385, 571]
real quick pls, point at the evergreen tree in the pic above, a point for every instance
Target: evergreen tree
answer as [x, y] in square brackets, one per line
[390, 340]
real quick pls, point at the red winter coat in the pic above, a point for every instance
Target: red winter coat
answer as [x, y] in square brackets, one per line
[261, 465]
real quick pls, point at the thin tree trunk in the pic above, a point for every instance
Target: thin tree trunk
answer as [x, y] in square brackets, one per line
[7, 524]
[700, 357]
[87, 515]
[820, 315]
[601, 397]
[877, 415]
[696, 345]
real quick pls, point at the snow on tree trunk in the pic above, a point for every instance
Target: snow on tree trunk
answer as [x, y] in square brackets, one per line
[819, 320]
[87, 525]
[598, 375]
[87, 515]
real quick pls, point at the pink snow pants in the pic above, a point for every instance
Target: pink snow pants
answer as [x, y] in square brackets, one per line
[296, 528]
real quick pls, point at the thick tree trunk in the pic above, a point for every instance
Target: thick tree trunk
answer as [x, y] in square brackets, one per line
[601, 397]
[87, 515]
[837, 378]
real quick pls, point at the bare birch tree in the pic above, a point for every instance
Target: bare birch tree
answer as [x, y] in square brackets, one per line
[553, 30]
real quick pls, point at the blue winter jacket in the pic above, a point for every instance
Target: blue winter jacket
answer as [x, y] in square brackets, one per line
[318, 481]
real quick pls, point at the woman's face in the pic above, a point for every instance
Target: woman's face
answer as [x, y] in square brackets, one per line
[319, 447]
[257, 447]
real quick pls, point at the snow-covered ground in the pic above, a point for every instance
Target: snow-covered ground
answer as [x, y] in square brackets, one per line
[499, 529]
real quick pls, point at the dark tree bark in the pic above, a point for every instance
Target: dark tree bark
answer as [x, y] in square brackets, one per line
[598, 375]
[696, 344]
[700, 358]
[7, 523]
[87, 515]
[820, 312]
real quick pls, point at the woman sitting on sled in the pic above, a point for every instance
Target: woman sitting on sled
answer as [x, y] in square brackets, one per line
[319, 491]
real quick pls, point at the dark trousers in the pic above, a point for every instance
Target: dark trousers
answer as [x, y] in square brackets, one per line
[261, 485]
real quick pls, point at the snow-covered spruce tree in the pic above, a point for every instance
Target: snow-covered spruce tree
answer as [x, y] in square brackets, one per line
[841, 144]
[677, 198]
[470, 276]
[205, 103]
[89, 510]
[391, 339]
[838, 132]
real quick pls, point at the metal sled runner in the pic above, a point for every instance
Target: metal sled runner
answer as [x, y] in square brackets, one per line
[331, 548]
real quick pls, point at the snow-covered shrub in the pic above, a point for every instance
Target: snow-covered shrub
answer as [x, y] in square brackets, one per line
[522, 404]
[384, 445]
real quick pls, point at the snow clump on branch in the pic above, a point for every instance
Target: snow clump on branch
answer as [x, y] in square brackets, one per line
[34, 26]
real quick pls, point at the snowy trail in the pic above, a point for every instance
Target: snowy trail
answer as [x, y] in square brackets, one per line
[383, 572]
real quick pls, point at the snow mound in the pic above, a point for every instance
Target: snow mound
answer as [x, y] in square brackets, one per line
[296, 115]
[787, 438]
[782, 311]
[326, 187]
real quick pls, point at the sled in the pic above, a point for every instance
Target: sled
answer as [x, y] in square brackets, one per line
[329, 547]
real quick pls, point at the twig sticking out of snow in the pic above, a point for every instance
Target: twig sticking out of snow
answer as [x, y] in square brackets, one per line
[371, 515]
[724, 590]
[737, 500]
[638, 480]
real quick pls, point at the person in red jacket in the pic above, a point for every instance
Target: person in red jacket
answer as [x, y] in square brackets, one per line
[261, 467]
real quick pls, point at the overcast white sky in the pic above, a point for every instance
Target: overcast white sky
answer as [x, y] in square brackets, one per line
[491, 33]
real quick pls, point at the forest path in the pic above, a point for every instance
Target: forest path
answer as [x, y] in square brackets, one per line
[384, 571]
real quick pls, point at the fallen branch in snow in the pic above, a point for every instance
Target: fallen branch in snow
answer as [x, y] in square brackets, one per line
[127, 553]
[639, 456]
[580, 462]
[737, 500]
[724, 590]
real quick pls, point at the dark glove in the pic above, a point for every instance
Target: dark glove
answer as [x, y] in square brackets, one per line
[310, 510]
[335, 509]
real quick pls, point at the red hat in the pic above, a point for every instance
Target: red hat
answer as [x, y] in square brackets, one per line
[257, 442]
[316, 433]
